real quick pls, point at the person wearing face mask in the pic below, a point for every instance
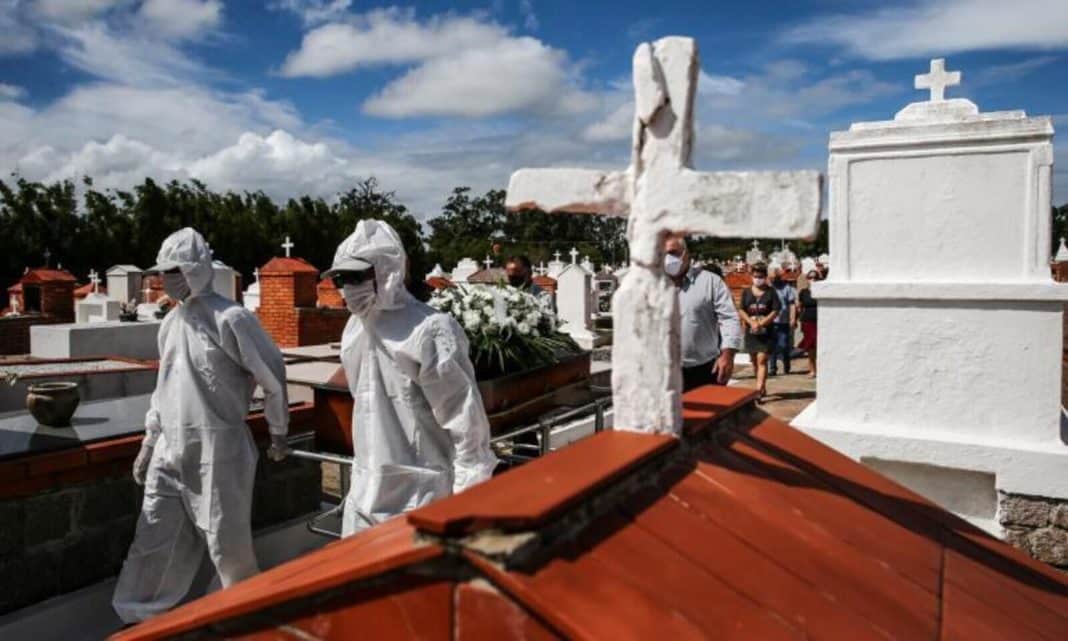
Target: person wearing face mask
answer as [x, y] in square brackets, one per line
[419, 429]
[711, 333]
[198, 461]
[520, 275]
[782, 330]
[808, 311]
[760, 306]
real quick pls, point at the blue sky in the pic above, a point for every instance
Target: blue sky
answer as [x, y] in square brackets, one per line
[306, 96]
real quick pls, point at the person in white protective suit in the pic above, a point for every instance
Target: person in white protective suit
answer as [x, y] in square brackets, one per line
[419, 429]
[198, 460]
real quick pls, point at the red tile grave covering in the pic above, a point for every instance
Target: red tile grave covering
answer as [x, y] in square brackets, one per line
[746, 529]
[104, 459]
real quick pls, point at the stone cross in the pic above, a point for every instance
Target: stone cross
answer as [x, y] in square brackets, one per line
[488, 262]
[556, 255]
[574, 254]
[660, 192]
[288, 246]
[541, 266]
[938, 79]
[94, 278]
[256, 273]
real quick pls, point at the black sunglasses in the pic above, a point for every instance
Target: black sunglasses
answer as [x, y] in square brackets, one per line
[352, 278]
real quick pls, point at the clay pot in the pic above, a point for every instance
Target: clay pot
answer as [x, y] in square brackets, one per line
[53, 404]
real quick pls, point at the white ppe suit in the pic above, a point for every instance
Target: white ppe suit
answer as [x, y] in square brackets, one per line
[198, 487]
[419, 429]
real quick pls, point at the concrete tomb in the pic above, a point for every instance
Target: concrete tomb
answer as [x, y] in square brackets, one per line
[464, 269]
[124, 283]
[940, 327]
[106, 338]
[661, 192]
[574, 305]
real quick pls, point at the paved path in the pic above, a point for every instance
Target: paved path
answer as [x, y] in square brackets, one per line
[787, 394]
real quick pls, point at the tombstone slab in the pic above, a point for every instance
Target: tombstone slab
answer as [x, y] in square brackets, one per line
[940, 327]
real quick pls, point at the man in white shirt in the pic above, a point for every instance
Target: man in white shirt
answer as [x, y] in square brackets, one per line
[711, 332]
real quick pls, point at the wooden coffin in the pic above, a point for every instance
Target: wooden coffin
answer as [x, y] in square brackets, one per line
[510, 400]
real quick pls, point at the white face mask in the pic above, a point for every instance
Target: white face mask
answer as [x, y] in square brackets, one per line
[359, 298]
[176, 286]
[672, 265]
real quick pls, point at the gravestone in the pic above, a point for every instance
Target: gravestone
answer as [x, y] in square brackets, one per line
[224, 280]
[1062, 253]
[556, 266]
[940, 362]
[437, 272]
[124, 283]
[96, 307]
[661, 192]
[574, 305]
[755, 254]
[106, 338]
[251, 300]
[464, 270]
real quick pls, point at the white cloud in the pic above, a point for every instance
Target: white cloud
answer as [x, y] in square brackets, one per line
[514, 75]
[386, 36]
[530, 19]
[1008, 72]
[181, 18]
[712, 84]
[313, 12]
[935, 27]
[465, 66]
[11, 92]
[74, 11]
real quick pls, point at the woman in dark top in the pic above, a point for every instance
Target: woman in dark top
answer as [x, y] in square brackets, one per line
[807, 307]
[760, 306]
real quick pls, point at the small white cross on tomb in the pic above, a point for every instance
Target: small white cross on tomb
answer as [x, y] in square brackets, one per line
[94, 278]
[574, 255]
[556, 255]
[661, 192]
[256, 273]
[288, 246]
[938, 79]
[541, 268]
[488, 262]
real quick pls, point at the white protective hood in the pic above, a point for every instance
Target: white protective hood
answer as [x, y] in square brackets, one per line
[198, 489]
[420, 431]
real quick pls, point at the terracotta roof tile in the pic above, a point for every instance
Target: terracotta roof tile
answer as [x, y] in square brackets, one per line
[389, 546]
[753, 531]
[280, 265]
[528, 496]
[43, 274]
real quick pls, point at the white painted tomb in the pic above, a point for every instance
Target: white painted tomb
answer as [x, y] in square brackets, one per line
[464, 270]
[940, 327]
[574, 306]
[224, 280]
[96, 308]
[124, 283]
[251, 299]
[111, 338]
[659, 192]
[1062, 253]
[755, 254]
[556, 266]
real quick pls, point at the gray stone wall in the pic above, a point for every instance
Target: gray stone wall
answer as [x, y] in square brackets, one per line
[60, 540]
[1036, 525]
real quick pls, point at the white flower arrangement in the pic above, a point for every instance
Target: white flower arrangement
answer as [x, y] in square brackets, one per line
[509, 330]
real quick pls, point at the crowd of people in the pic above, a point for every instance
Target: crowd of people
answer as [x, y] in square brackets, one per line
[763, 324]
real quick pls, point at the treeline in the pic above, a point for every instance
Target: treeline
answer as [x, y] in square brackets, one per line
[83, 228]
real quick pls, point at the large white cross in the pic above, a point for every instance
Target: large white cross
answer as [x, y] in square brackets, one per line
[94, 278]
[938, 79]
[288, 245]
[661, 192]
[488, 262]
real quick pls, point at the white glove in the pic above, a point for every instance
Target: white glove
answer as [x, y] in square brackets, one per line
[140, 466]
[278, 449]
